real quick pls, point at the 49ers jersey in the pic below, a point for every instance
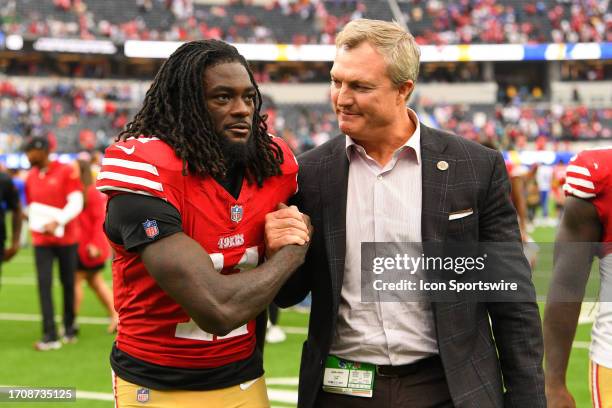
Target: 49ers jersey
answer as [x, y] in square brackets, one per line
[589, 177]
[153, 327]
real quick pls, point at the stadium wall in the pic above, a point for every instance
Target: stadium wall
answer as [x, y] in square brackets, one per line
[591, 94]
[470, 93]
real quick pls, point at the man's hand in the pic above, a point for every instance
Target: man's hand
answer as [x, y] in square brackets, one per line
[286, 226]
[50, 228]
[10, 252]
[559, 397]
[524, 233]
[93, 251]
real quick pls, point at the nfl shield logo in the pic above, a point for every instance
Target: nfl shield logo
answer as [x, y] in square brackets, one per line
[150, 227]
[236, 213]
[142, 395]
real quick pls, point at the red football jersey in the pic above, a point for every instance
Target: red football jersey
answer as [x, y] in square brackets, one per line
[153, 327]
[91, 221]
[52, 187]
[589, 176]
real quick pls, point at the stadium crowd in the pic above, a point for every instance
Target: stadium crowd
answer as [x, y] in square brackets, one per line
[78, 117]
[478, 21]
[515, 124]
[66, 111]
[309, 21]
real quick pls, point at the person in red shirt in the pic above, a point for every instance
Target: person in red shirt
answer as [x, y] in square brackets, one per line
[93, 250]
[54, 197]
[190, 182]
[584, 233]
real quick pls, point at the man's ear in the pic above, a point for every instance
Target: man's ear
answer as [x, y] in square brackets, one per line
[405, 90]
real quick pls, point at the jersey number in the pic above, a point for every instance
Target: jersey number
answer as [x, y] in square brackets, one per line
[190, 330]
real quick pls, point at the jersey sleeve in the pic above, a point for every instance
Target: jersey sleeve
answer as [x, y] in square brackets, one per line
[140, 166]
[583, 177]
[289, 167]
[134, 221]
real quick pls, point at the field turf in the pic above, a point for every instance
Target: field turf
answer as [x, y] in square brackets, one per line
[85, 366]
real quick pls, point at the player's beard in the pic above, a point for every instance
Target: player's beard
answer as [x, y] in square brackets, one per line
[236, 154]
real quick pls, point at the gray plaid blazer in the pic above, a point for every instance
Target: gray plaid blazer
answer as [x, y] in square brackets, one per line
[491, 352]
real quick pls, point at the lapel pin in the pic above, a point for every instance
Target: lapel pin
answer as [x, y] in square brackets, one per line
[442, 165]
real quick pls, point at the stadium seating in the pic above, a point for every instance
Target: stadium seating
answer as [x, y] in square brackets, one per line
[82, 116]
[313, 21]
[451, 22]
[76, 117]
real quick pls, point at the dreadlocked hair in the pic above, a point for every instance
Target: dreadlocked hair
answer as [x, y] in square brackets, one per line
[174, 110]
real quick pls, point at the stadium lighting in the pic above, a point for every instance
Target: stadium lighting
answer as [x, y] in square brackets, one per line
[579, 51]
[429, 53]
[14, 42]
[252, 52]
[76, 46]
[150, 49]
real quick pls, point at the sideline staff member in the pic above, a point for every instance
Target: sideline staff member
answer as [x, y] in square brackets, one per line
[9, 198]
[390, 178]
[54, 196]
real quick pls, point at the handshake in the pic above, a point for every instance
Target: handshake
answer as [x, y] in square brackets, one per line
[287, 226]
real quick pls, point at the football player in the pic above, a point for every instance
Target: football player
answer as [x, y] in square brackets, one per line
[191, 181]
[585, 231]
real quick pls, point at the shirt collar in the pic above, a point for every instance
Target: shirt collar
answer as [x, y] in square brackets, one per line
[414, 142]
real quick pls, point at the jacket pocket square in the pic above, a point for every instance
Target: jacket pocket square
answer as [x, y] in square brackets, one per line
[460, 214]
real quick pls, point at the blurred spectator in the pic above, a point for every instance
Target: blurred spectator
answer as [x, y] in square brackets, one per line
[544, 177]
[93, 249]
[9, 201]
[533, 197]
[55, 199]
[558, 194]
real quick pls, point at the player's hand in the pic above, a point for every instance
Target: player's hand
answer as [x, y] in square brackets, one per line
[10, 252]
[93, 251]
[286, 226]
[524, 235]
[50, 228]
[559, 397]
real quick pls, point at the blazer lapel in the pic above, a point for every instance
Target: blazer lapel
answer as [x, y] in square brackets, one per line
[436, 178]
[438, 170]
[334, 182]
